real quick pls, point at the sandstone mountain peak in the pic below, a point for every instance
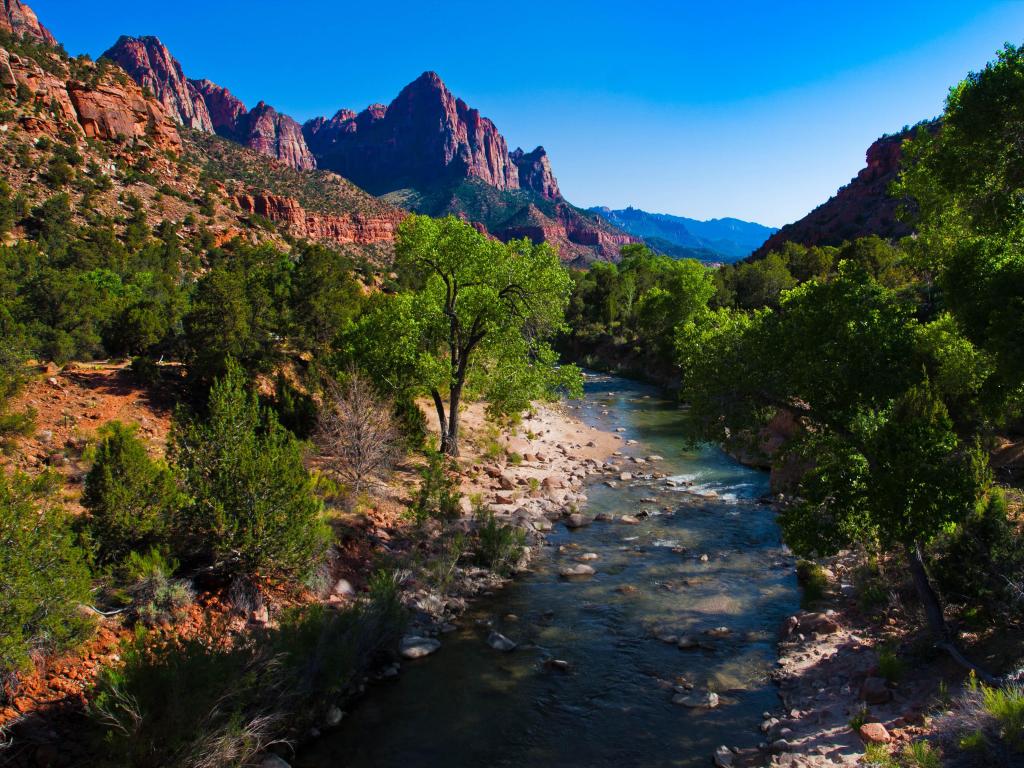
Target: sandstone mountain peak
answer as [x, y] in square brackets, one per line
[151, 65]
[21, 21]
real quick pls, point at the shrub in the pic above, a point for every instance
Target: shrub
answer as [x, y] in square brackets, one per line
[499, 546]
[132, 498]
[194, 703]
[813, 579]
[253, 510]
[988, 720]
[356, 431]
[980, 564]
[438, 498]
[155, 596]
[441, 568]
[44, 575]
[889, 664]
[919, 754]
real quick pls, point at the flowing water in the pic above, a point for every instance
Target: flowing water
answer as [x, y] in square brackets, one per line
[469, 705]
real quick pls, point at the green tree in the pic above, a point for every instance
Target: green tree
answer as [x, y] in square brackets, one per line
[253, 511]
[44, 574]
[477, 319]
[886, 466]
[132, 498]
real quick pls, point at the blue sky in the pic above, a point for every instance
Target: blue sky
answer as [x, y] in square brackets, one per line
[754, 110]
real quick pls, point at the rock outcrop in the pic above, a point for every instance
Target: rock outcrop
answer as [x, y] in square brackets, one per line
[20, 20]
[113, 112]
[339, 229]
[225, 109]
[425, 137]
[205, 106]
[267, 131]
[535, 173]
[151, 65]
[863, 207]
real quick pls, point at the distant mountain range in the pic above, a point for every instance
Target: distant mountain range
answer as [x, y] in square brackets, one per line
[681, 237]
[427, 151]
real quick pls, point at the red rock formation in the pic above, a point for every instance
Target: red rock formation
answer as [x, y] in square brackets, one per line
[267, 131]
[356, 228]
[151, 65]
[424, 137]
[20, 20]
[861, 208]
[116, 112]
[49, 91]
[225, 109]
[535, 173]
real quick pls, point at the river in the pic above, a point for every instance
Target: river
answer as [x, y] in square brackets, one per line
[469, 705]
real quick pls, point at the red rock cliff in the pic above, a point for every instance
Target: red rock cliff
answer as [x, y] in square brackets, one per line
[151, 65]
[266, 130]
[424, 137]
[339, 229]
[861, 208]
[20, 20]
[535, 173]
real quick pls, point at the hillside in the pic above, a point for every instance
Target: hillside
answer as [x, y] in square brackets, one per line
[863, 207]
[721, 240]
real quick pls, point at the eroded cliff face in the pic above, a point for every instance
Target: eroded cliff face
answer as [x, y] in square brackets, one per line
[205, 106]
[535, 173]
[267, 131]
[357, 228]
[20, 20]
[863, 207]
[151, 65]
[425, 137]
[109, 109]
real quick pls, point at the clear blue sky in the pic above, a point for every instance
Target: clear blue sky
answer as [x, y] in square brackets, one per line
[754, 110]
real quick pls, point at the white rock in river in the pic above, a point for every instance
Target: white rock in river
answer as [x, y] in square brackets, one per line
[416, 647]
[723, 757]
[499, 642]
[706, 700]
[587, 556]
[576, 570]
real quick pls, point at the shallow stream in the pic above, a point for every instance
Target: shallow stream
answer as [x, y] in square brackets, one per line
[469, 705]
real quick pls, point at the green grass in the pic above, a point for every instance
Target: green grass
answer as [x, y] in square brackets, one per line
[889, 664]
[813, 580]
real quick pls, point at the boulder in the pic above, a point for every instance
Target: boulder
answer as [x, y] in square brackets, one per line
[571, 571]
[629, 520]
[706, 700]
[576, 520]
[875, 690]
[416, 647]
[874, 733]
[499, 642]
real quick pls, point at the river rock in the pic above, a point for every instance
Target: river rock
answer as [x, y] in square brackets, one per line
[625, 476]
[576, 520]
[875, 690]
[718, 632]
[569, 571]
[556, 665]
[499, 642]
[723, 757]
[706, 700]
[687, 643]
[416, 647]
[629, 520]
[874, 733]
[587, 557]
[604, 517]
[333, 717]
[655, 457]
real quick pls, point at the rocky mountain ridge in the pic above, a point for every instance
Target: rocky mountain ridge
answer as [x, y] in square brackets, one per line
[861, 208]
[424, 149]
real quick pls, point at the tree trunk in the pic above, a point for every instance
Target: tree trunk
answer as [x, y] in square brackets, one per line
[452, 439]
[935, 615]
[926, 594]
[442, 421]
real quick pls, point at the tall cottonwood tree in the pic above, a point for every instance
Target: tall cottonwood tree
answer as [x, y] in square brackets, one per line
[477, 318]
